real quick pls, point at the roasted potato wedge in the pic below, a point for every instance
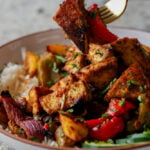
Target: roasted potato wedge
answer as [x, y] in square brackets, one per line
[73, 129]
[99, 74]
[62, 139]
[33, 99]
[30, 63]
[48, 72]
[144, 111]
[57, 49]
[130, 84]
[98, 53]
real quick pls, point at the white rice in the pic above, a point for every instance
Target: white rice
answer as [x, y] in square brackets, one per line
[14, 79]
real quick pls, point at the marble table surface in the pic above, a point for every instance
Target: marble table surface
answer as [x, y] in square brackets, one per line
[22, 17]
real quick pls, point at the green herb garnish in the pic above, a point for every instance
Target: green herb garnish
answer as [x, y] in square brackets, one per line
[132, 82]
[75, 55]
[105, 115]
[71, 110]
[60, 58]
[122, 102]
[79, 119]
[20, 131]
[99, 53]
[55, 69]
[140, 99]
[108, 87]
[50, 83]
[75, 66]
[64, 74]
[34, 139]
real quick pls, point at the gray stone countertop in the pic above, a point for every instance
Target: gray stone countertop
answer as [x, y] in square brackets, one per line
[22, 17]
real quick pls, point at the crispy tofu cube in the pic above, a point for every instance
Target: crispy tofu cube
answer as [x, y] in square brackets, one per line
[98, 53]
[62, 139]
[130, 84]
[33, 99]
[30, 63]
[129, 50]
[57, 49]
[73, 129]
[63, 83]
[71, 16]
[65, 96]
[76, 64]
[99, 74]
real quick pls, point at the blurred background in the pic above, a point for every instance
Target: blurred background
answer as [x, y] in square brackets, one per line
[22, 17]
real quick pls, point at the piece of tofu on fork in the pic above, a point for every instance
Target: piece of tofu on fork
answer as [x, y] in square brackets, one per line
[71, 16]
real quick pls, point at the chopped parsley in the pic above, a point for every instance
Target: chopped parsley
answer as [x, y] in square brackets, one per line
[73, 88]
[20, 131]
[60, 58]
[99, 53]
[75, 66]
[108, 87]
[75, 55]
[140, 99]
[113, 109]
[132, 82]
[130, 73]
[104, 115]
[122, 102]
[79, 119]
[143, 51]
[142, 89]
[50, 83]
[64, 74]
[122, 84]
[34, 139]
[55, 69]
[71, 110]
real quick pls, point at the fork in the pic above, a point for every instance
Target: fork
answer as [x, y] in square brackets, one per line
[112, 10]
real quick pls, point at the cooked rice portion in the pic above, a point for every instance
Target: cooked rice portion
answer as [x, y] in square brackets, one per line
[14, 79]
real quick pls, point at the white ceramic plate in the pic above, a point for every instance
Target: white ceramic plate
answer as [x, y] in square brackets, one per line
[11, 52]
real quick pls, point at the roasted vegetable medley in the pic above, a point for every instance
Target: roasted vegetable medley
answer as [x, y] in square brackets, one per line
[94, 94]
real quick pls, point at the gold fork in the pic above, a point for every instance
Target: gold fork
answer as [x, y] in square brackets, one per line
[112, 10]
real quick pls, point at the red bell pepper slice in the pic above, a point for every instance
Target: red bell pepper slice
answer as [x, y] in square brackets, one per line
[119, 107]
[94, 122]
[107, 129]
[98, 30]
